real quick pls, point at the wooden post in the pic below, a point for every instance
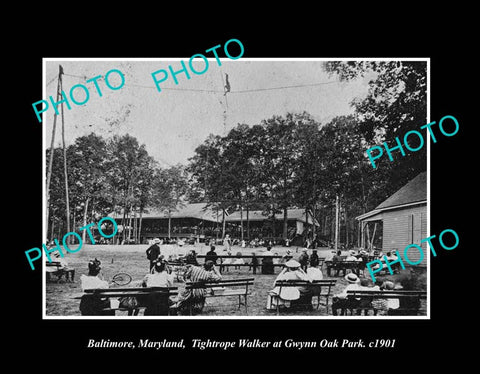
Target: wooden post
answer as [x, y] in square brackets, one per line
[336, 223]
[65, 174]
[373, 236]
[52, 143]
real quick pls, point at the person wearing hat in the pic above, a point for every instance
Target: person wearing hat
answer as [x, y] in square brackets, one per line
[341, 301]
[153, 252]
[91, 305]
[194, 299]
[351, 256]
[293, 297]
[303, 259]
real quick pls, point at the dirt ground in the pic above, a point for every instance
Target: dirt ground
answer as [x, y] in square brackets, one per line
[59, 296]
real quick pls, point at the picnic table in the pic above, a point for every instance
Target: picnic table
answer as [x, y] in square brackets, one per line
[343, 265]
[59, 270]
[225, 265]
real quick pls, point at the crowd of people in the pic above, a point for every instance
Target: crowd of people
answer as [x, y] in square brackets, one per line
[304, 267]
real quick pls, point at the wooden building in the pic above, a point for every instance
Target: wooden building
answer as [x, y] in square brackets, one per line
[262, 226]
[199, 221]
[398, 221]
[186, 221]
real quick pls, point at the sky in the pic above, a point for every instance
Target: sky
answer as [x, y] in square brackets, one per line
[173, 122]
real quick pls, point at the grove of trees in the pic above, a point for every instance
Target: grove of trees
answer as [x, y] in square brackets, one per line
[280, 163]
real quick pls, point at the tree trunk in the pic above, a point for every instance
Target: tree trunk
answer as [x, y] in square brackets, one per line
[325, 225]
[346, 228]
[123, 220]
[216, 224]
[52, 228]
[135, 225]
[285, 223]
[305, 230]
[314, 219]
[336, 222]
[169, 224]
[248, 223]
[84, 233]
[140, 226]
[273, 223]
[130, 223]
[241, 221]
[223, 223]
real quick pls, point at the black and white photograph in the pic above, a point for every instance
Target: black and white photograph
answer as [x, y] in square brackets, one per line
[278, 191]
[237, 188]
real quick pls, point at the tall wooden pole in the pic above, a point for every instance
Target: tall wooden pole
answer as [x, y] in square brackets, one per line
[52, 143]
[67, 202]
[336, 223]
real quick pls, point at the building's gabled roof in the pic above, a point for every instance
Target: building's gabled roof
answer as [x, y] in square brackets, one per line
[201, 211]
[194, 210]
[413, 193]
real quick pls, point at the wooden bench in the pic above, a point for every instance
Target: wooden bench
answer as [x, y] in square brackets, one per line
[225, 266]
[410, 301]
[225, 288]
[320, 288]
[354, 266]
[178, 268]
[59, 272]
[140, 293]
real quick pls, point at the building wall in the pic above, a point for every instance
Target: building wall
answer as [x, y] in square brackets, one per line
[406, 226]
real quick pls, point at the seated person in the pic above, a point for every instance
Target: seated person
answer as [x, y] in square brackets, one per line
[194, 299]
[365, 303]
[91, 305]
[267, 262]
[382, 307]
[157, 304]
[352, 257]
[287, 256]
[238, 260]
[191, 258]
[294, 297]
[303, 259]
[62, 269]
[391, 257]
[335, 259]
[341, 301]
[314, 273]
[337, 256]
